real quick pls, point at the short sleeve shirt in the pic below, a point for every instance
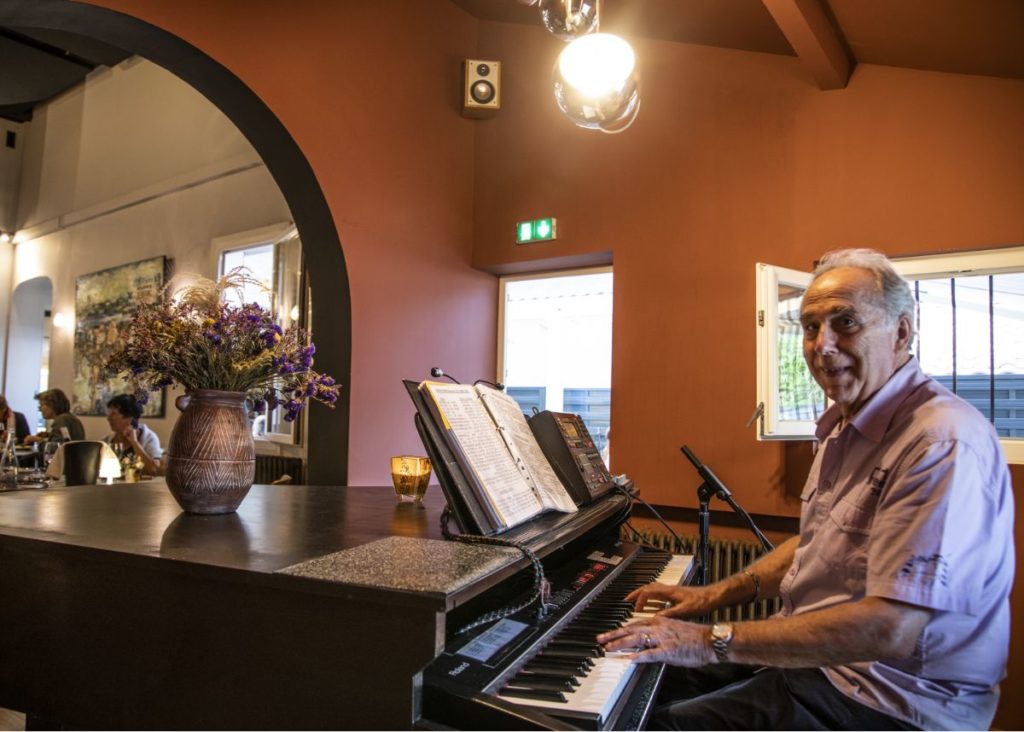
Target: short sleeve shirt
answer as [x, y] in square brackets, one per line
[148, 440]
[911, 501]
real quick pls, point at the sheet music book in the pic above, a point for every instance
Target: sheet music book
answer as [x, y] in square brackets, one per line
[500, 457]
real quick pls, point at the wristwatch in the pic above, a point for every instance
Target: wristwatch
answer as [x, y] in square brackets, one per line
[721, 638]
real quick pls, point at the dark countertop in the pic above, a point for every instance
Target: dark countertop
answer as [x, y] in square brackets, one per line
[275, 527]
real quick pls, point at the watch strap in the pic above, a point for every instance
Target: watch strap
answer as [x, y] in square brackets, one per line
[721, 639]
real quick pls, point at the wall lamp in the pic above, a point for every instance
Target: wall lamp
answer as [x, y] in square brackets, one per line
[596, 80]
[6, 237]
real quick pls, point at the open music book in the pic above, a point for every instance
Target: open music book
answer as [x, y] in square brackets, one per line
[500, 457]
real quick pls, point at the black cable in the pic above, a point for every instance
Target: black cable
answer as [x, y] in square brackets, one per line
[679, 541]
[638, 538]
[540, 582]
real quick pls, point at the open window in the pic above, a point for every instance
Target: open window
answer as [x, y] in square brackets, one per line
[969, 337]
[789, 401]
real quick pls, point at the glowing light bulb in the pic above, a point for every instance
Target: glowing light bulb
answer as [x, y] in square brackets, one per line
[597, 83]
[597, 63]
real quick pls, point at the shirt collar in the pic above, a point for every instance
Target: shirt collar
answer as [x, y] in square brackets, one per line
[874, 417]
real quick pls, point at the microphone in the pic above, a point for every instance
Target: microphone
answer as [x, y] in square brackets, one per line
[438, 373]
[494, 384]
[717, 486]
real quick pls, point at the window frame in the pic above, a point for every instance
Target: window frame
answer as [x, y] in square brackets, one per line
[277, 431]
[969, 263]
[770, 427]
[503, 280]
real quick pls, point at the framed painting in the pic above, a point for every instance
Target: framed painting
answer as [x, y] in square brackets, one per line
[103, 303]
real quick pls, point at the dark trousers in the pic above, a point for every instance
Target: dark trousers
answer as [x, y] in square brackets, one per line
[729, 696]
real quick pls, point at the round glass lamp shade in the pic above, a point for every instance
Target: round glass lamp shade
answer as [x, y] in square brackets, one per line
[569, 19]
[597, 84]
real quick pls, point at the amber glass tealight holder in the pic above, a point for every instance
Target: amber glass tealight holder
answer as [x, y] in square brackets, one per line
[410, 474]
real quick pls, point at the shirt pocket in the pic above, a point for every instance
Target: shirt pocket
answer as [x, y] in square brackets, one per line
[855, 513]
[847, 530]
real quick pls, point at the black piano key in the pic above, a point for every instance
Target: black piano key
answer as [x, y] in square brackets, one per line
[577, 668]
[569, 643]
[539, 684]
[568, 679]
[556, 696]
[572, 655]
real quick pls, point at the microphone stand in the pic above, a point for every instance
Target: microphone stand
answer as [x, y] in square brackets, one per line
[712, 486]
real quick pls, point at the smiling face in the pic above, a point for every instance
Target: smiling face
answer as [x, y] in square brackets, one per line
[850, 344]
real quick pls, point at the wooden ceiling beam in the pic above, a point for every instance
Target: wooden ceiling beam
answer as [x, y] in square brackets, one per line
[814, 38]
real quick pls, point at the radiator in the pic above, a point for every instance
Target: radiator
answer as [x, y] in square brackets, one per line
[271, 467]
[727, 557]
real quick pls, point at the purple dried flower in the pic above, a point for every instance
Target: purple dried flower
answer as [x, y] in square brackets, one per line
[200, 342]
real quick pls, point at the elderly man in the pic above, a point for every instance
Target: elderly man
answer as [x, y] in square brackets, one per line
[895, 594]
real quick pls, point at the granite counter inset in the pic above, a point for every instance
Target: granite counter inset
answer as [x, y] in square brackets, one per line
[403, 563]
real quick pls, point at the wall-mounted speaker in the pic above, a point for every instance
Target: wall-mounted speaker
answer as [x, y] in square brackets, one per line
[481, 88]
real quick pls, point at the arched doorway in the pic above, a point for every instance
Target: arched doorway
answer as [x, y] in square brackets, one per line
[327, 440]
[28, 336]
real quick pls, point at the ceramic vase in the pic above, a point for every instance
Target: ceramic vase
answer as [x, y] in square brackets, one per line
[211, 461]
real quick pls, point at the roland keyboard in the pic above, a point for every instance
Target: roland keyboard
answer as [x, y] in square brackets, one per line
[526, 669]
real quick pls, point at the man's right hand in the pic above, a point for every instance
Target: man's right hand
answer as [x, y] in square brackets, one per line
[686, 601]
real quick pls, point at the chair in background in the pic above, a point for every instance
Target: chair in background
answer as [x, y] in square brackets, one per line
[82, 461]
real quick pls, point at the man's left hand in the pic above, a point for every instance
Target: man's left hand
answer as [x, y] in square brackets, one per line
[662, 640]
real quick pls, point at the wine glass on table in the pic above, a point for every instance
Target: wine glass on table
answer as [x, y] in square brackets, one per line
[49, 450]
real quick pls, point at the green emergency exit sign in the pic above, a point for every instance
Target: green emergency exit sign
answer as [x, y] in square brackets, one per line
[528, 232]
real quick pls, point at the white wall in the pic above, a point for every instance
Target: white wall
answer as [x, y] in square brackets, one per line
[130, 165]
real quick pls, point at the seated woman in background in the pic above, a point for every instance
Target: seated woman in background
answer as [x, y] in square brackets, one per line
[54, 405]
[130, 437]
[9, 419]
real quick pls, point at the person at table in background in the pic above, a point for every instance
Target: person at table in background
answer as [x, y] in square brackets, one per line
[128, 437]
[55, 407]
[10, 419]
[895, 595]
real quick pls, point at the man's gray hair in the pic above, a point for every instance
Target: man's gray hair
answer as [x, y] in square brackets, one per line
[897, 298]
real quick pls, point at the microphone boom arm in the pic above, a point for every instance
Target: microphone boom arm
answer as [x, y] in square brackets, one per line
[713, 486]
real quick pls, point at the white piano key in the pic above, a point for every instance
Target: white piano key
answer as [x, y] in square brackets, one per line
[673, 574]
[598, 690]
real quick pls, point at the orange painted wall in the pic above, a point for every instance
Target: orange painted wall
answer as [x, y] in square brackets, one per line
[371, 93]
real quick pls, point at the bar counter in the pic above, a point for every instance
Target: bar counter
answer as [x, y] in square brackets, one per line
[120, 611]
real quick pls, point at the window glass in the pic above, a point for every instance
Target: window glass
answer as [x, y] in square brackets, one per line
[800, 397]
[259, 260]
[556, 345]
[972, 340]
